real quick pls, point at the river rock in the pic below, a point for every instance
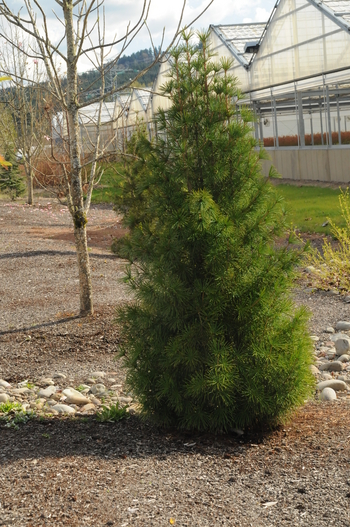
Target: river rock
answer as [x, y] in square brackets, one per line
[326, 376]
[46, 381]
[98, 374]
[125, 400]
[337, 336]
[344, 358]
[314, 370]
[4, 398]
[315, 338]
[342, 325]
[63, 409]
[59, 375]
[47, 392]
[328, 394]
[345, 379]
[334, 383]
[98, 389]
[88, 407]
[4, 384]
[342, 346]
[329, 329]
[75, 397]
[332, 366]
[21, 391]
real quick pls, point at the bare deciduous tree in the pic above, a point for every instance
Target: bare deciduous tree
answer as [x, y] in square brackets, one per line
[23, 101]
[83, 37]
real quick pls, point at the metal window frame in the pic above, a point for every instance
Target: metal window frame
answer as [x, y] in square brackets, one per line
[341, 22]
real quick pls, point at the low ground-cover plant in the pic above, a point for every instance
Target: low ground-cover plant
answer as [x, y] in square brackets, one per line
[112, 413]
[212, 340]
[13, 414]
[330, 269]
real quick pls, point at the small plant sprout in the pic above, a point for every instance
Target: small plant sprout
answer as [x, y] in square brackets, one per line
[112, 413]
[14, 414]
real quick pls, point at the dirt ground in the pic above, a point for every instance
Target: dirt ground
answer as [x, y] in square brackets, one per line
[78, 472]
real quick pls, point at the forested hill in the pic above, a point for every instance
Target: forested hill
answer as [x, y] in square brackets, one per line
[127, 68]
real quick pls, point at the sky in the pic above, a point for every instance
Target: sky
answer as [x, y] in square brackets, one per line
[162, 14]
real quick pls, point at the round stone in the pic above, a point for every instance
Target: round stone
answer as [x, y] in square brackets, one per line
[329, 329]
[342, 345]
[75, 397]
[328, 394]
[47, 392]
[98, 389]
[46, 382]
[313, 370]
[59, 375]
[335, 384]
[4, 397]
[125, 400]
[88, 407]
[344, 358]
[342, 325]
[332, 366]
[63, 409]
[98, 374]
[4, 384]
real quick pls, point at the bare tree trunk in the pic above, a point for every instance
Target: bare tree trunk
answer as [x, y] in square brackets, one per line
[86, 307]
[30, 187]
[78, 212]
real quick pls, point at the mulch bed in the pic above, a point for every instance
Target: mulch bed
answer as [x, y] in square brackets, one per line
[78, 472]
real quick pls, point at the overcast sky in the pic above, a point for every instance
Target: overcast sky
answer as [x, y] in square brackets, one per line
[163, 13]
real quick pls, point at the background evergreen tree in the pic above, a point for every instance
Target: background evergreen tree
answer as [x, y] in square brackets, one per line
[212, 340]
[11, 182]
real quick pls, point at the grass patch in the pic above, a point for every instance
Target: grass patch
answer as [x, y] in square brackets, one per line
[107, 189]
[310, 207]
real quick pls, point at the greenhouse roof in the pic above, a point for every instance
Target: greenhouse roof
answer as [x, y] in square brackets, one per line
[144, 96]
[236, 36]
[339, 9]
[89, 114]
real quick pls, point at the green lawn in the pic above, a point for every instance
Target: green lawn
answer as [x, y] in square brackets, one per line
[309, 207]
[108, 186]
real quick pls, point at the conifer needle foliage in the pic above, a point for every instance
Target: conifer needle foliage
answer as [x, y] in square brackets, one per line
[212, 340]
[11, 182]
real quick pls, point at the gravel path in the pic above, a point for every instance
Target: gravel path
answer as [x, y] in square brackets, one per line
[78, 472]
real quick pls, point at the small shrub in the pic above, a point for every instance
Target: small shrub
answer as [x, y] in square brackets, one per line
[112, 413]
[212, 340]
[332, 265]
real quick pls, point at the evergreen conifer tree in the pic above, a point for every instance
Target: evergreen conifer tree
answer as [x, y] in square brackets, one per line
[11, 182]
[212, 340]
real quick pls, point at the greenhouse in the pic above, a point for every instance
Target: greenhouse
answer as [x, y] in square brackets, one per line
[295, 74]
